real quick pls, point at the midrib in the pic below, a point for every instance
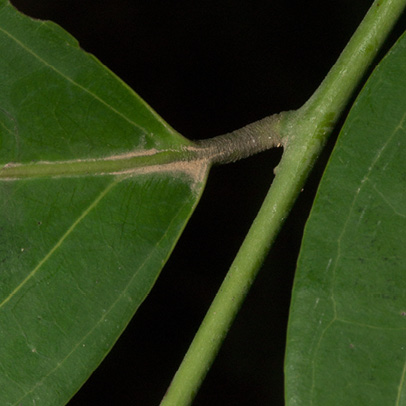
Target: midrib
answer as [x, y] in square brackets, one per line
[124, 163]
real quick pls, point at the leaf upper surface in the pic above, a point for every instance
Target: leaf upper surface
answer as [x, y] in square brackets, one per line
[347, 328]
[49, 82]
[78, 254]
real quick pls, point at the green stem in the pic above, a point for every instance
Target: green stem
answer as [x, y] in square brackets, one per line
[305, 132]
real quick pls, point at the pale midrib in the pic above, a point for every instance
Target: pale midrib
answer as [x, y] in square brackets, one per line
[58, 244]
[114, 165]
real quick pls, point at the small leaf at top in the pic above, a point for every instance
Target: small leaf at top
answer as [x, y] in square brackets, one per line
[85, 228]
[347, 330]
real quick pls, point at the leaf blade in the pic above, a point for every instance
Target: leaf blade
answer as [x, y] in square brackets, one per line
[346, 328]
[114, 284]
[78, 253]
[55, 66]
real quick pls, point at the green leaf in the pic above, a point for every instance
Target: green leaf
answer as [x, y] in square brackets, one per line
[92, 203]
[347, 329]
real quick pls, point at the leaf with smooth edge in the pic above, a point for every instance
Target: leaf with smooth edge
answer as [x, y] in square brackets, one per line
[81, 247]
[347, 330]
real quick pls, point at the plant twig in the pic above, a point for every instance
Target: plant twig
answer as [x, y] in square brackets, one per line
[305, 132]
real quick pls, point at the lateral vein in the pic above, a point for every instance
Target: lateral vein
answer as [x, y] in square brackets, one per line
[59, 243]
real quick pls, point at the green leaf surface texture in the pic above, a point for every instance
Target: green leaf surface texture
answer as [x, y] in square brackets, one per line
[78, 253]
[347, 330]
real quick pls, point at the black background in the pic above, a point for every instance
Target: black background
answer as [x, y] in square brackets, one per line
[209, 67]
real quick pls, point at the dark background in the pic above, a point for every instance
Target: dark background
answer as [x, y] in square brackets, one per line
[209, 67]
